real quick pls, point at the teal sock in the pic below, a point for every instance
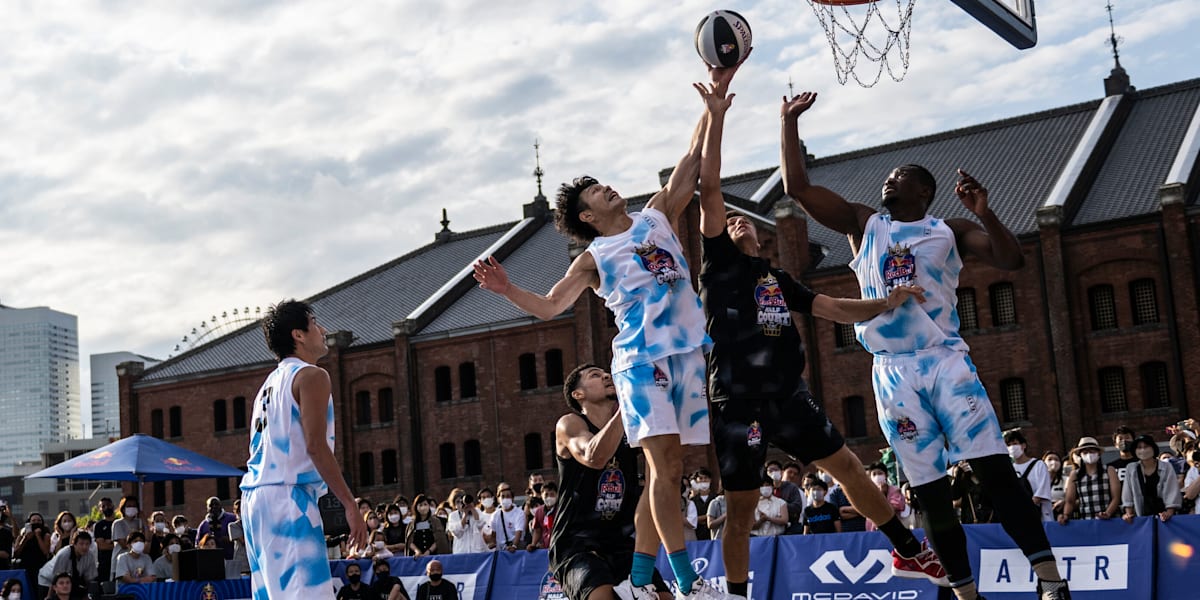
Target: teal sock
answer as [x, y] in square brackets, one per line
[642, 571]
[685, 575]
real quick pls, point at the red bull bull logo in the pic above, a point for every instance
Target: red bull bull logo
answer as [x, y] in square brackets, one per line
[180, 464]
[550, 589]
[98, 459]
[659, 262]
[773, 314]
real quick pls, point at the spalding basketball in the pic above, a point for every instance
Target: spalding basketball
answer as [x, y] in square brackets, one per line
[723, 38]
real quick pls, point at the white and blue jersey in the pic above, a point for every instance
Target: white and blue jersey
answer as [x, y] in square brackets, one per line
[644, 281]
[285, 542]
[894, 253]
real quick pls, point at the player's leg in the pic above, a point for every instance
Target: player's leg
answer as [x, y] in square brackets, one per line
[973, 433]
[741, 452]
[285, 537]
[586, 576]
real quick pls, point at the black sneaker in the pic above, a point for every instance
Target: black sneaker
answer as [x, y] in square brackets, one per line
[1053, 590]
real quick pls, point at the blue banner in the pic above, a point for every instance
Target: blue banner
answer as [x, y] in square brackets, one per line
[470, 573]
[1102, 560]
[27, 592]
[1178, 557]
[229, 589]
[525, 576]
[841, 565]
[708, 563]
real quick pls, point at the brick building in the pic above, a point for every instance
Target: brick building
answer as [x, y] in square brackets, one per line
[438, 384]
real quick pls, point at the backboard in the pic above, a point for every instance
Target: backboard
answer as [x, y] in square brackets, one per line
[1012, 20]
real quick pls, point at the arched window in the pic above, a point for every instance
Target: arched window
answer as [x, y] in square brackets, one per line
[239, 412]
[466, 380]
[527, 365]
[366, 469]
[554, 367]
[1012, 400]
[156, 423]
[441, 383]
[472, 461]
[1144, 298]
[856, 416]
[1103, 307]
[387, 406]
[391, 473]
[1004, 304]
[1112, 390]
[175, 420]
[1154, 385]
[533, 452]
[219, 419]
[968, 317]
[362, 408]
[449, 460]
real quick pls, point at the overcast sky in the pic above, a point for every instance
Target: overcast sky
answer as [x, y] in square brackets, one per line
[162, 162]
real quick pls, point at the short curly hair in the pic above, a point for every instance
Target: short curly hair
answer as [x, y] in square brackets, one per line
[567, 206]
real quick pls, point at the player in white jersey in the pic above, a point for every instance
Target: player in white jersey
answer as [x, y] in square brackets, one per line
[635, 262]
[292, 464]
[932, 407]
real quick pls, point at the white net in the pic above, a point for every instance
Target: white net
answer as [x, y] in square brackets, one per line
[862, 31]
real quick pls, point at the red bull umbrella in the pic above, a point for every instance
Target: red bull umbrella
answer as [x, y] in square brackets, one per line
[140, 458]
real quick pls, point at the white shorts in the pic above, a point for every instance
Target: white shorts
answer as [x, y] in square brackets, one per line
[285, 543]
[665, 397]
[934, 411]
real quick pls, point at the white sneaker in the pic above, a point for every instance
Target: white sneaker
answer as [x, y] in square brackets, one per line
[703, 589]
[627, 591]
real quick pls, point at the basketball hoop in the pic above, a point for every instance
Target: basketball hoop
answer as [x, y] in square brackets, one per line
[850, 40]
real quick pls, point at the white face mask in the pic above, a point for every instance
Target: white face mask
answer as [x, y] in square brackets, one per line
[379, 545]
[407, 520]
[1144, 453]
[488, 502]
[1053, 465]
[1015, 451]
[14, 596]
[550, 501]
[137, 547]
[1090, 458]
[68, 525]
[174, 548]
[700, 486]
[403, 510]
[506, 503]
[879, 478]
[182, 529]
[131, 512]
[827, 478]
[817, 495]
[394, 518]
[160, 527]
[775, 475]
[766, 491]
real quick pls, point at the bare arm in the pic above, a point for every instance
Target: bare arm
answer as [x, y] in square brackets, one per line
[311, 387]
[1069, 498]
[992, 242]
[580, 275]
[681, 186]
[822, 204]
[592, 451]
[853, 310]
[716, 101]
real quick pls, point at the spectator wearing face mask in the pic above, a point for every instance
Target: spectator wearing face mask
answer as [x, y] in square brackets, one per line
[102, 536]
[436, 588]
[820, 516]
[465, 525]
[134, 566]
[771, 513]
[1058, 480]
[187, 535]
[786, 491]
[425, 535]
[878, 474]
[237, 534]
[163, 567]
[536, 481]
[1123, 440]
[1151, 487]
[64, 526]
[12, 590]
[487, 508]
[32, 547]
[1191, 481]
[716, 514]
[76, 559]
[355, 589]
[386, 586]
[701, 496]
[1088, 493]
[967, 493]
[508, 522]
[1032, 472]
[543, 517]
[157, 534]
[395, 528]
[128, 521]
[687, 511]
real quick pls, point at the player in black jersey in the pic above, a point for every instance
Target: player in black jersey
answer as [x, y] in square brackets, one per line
[592, 543]
[759, 397]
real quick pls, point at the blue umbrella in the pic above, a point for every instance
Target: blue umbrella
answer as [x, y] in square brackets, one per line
[139, 458]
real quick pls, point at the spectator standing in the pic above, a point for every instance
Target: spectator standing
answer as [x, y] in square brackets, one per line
[386, 586]
[32, 547]
[76, 559]
[771, 514]
[967, 494]
[487, 508]
[820, 516]
[1088, 493]
[128, 521]
[717, 513]
[1151, 487]
[364, 505]
[508, 523]
[536, 481]
[701, 497]
[355, 589]
[134, 566]
[394, 531]
[687, 511]
[786, 491]
[878, 474]
[1123, 440]
[437, 588]
[465, 525]
[12, 590]
[157, 534]
[374, 523]
[850, 517]
[426, 535]
[1031, 471]
[64, 525]
[6, 537]
[216, 523]
[237, 534]
[543, 517]
[102, 537]
[1058, 480]
[1191, 482]
[187, 535]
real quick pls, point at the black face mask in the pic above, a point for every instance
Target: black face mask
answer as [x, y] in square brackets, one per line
[354, 578]
[382, 574]
[537, 487]
[1127, 447]
[435, 577]
[108, 512]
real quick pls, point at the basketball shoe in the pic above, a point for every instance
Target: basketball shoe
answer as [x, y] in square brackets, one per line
[926, 564]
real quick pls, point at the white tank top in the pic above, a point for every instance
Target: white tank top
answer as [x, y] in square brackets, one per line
[278, 455]
[898, 252]
[644, 280]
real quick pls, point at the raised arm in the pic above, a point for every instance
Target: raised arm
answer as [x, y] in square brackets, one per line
[681, 186]
[828, 208]
[716, 102]
[580, 275]
[854, 310]
[992, 242]
[592, 451]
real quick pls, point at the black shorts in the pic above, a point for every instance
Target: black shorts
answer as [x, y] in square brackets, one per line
[742, 429]
[581, 574]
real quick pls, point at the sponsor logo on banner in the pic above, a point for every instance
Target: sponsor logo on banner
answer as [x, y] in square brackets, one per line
[1087, 568]
[896, 595]
[853, 572]
[464, 582]
[550, 589]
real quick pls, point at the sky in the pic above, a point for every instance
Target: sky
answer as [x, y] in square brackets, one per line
[164, 162]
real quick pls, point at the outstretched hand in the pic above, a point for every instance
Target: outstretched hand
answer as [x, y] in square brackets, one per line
[491, 275]
[714, 97]
[971, 194]
[901, 293]
[721, 76]
[797, 105]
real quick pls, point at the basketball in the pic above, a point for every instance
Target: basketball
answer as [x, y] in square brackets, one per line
[723, 38]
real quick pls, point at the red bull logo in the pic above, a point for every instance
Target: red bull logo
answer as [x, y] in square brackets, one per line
[550, 589]
[660, 379]
[180, 464]
[177, 462]
[103, 454]
[98, 459]
[769, 294]
[906, 429]
[659, 262]
[208, 592]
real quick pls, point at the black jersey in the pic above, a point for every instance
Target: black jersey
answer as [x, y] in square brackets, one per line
[595, 506]
[757, 352]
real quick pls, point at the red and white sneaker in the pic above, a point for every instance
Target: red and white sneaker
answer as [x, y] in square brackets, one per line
[926, 564]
